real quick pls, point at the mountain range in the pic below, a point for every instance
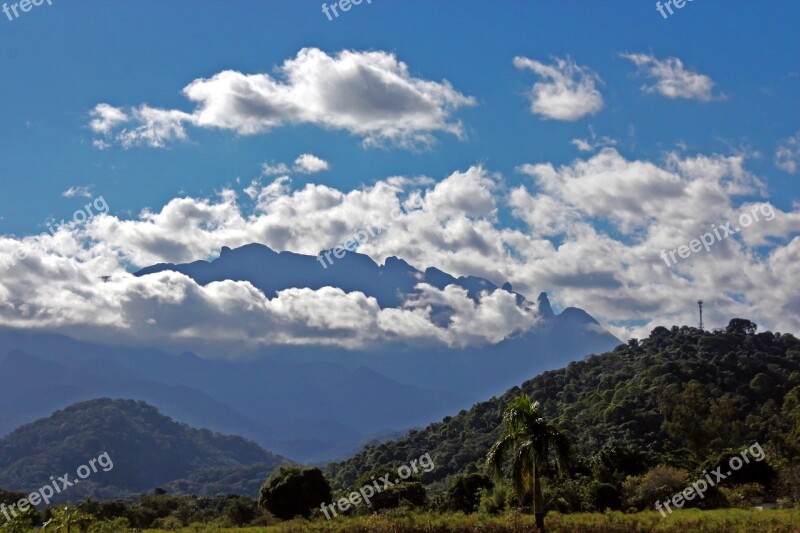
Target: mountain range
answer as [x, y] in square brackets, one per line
[309, 403]
[682, 397]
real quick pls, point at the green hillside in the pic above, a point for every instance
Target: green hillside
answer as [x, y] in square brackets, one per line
[147, 450]
[682, 398]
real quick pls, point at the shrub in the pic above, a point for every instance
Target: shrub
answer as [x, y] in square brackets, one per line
[293, 491]
[602, 496]
[464, 493]
[660, 483]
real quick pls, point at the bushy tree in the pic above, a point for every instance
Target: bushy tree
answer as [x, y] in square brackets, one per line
[464, 493]
[240, 511]
[601, 496]
[293, 491]
[660, 483]
[405, 492]
[741, 326]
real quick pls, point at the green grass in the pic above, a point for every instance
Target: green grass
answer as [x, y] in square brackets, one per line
[684, 521]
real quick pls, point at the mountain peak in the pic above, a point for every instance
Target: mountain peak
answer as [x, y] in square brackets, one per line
[544, 305]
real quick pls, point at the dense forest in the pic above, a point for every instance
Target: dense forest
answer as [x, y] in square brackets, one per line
[651, 413]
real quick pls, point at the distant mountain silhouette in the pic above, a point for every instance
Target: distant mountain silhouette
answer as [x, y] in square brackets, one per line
[478, 371]
[146, 450]
[272, 271]
[309, 403]
[310, 411]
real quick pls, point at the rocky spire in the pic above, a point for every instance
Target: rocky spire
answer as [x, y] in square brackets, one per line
[544, 306]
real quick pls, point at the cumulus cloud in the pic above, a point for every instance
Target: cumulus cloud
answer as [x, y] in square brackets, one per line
[304, 164]
[672, 80]
[371, 95]
[310, 164]
[81, 190]
[589, 232]
[568, 91]
[105, 118]
[272, 169]
[787, 155]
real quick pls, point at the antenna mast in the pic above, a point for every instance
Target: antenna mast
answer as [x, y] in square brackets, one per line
[700, 305]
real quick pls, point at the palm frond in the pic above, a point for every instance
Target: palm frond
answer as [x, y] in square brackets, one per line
[497, 454]
[522, 468]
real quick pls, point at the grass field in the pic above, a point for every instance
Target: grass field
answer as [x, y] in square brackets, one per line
[688, 521]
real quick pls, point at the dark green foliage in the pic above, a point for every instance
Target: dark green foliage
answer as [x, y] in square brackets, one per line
[147, 449]
[293, 491]
[241, 510]
[678, 398]
[659, 484]
[404, 492]
[750, 472]
[8, 497]
[464, 493]
[158, 508]
[741, 326]
[602, 496]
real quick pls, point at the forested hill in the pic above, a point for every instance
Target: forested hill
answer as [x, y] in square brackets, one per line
[144, 448]
[681, 397]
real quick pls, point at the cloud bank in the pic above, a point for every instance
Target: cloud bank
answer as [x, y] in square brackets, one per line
[589, 232]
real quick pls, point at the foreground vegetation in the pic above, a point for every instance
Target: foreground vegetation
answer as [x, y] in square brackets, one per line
[719, 521]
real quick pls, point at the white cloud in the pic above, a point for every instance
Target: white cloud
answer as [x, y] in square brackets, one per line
[156, 127]
[310, 164]
[271, 169]
[106, 117]
[589, 232]
[787, 155]
[74, 191]
[593, 143]
[304, 164]
[369, 94]
[672, 80]
[568, 92]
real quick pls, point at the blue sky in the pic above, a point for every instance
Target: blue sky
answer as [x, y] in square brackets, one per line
[562, 146]
[59, 61]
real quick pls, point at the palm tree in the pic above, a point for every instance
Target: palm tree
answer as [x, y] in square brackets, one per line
[530, 437]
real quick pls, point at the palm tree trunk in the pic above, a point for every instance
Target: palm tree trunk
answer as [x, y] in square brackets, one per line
[538, 504]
